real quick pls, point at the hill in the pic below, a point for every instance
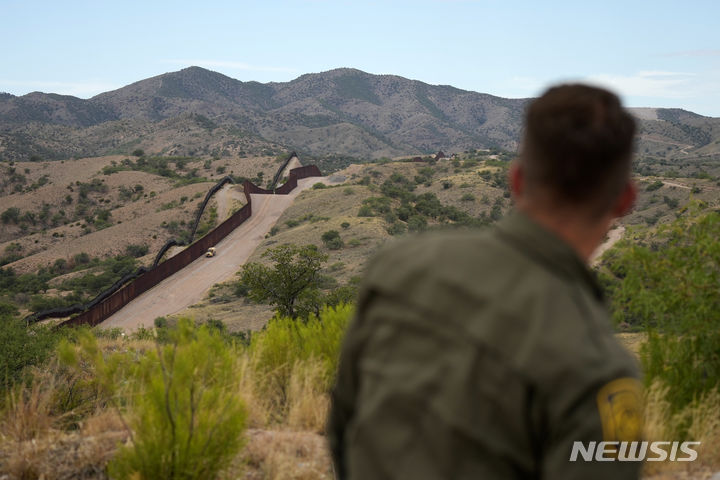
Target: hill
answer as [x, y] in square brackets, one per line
[345, 111]
[469, 190]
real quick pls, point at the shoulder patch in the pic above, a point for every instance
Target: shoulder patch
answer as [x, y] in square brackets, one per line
[620, 405]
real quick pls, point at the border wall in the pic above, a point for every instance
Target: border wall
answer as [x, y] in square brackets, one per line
[104, 309]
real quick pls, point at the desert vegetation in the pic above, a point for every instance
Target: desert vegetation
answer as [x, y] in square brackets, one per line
[79, 390]
[177, 401]
[66, 281]
[662, 282]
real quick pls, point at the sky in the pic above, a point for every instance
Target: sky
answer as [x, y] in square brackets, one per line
[653, 53]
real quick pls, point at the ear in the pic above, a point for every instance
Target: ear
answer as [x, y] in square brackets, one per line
[626, 200]
[516, 176]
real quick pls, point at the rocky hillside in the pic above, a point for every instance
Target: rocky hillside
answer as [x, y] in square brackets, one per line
[344, 111]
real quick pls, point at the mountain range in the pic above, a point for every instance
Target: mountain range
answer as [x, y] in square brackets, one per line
[345, 111]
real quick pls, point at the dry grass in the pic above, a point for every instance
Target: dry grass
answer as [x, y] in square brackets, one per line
[32, 445]
[285, 438]
[631, 341]
[705, 427]
[28, 413]
[60, 455]
[283, 455]
[702, 420]
[258, 405]
[308, 401]
[237, 314]
[301, 406]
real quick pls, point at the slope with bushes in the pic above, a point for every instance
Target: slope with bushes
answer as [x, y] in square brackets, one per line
[180, 397]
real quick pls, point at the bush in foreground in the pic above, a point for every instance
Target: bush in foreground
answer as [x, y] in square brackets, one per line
[185, 416]
[20, 346]
[291, 365]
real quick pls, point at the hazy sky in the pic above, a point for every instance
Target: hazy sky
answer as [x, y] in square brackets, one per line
[654, 53]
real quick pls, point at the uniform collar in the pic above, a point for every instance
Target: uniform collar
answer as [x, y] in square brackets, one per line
[546, 247]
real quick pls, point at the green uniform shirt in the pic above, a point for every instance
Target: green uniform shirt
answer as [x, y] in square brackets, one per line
[481, 355]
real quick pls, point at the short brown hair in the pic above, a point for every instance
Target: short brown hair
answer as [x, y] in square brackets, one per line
[578, 145]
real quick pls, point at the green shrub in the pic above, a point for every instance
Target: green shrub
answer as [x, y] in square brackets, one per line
[375, 206]
[417, 223]
[241, 290]
[38, 303]
[365, 211]
[11, 215]
[12, 253]
[21, 346]
[671, 202]
[656, 185]
[136, 251]
[429, 205]
[336, 267]
[81, 258]
[187, 420]
[331, 239]
[287, 341]
[397, 228]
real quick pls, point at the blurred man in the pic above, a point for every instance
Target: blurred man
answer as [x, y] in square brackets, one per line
[484, 355]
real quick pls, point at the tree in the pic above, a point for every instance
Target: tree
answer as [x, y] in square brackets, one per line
[11, 215]
[291, 284]
[417, 223]
[332, 240]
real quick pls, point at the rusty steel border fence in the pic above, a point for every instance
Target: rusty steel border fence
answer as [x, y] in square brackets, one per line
[103, 310]
[67, 311]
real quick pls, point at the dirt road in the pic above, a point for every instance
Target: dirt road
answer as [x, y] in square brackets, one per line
[673, 184]
[613, 237]
[192, 283]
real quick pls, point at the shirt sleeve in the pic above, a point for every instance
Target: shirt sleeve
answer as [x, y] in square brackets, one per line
[586, 443]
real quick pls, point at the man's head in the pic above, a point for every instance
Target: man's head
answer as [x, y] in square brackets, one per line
[576, 152]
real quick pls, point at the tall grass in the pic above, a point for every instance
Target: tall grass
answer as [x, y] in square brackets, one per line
[289, 368]
[178, 400]
[698, 421]
[173, 402]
